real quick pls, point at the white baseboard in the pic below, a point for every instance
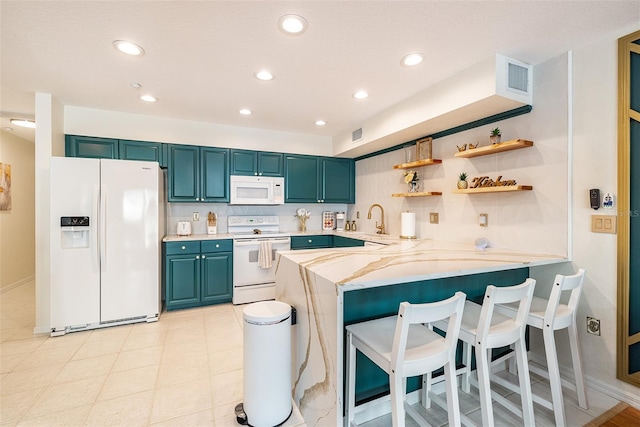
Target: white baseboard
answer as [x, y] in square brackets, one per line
[594, 383]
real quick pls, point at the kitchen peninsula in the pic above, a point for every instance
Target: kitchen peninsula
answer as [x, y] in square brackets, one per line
[331, 288]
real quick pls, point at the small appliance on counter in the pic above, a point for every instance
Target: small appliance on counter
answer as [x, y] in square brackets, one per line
[328, 221]
[340, 220]
[184, 228]
[212, 223]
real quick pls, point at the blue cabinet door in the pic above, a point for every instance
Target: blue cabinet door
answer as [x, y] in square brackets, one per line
[270, 164]
[183, 183]
[338, 183]
[140, 150]
[215, 174]
[346, 242]
[244, 162]
[301, 179]
[217, 277]
[91, 147]
[182, 277]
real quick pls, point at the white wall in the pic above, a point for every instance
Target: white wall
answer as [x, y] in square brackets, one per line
[17, 233]
[112, 124]
[532, 221]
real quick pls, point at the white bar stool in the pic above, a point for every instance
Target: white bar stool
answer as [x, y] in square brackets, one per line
[485, 329]
[549, 316]
[404, 347]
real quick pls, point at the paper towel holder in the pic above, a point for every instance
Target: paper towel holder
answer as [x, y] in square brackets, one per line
[407, 225]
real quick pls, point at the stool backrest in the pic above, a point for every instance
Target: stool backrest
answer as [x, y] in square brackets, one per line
[504, 295]
[561, 284]
[409, 314]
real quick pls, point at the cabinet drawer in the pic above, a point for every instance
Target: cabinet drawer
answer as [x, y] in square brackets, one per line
[225, 245]
[177, 248]
[310, 242]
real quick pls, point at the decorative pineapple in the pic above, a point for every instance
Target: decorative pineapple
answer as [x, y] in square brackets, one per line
[462, 181]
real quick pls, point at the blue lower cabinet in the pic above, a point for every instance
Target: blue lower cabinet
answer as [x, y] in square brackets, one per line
[197, 273]
[312, 242]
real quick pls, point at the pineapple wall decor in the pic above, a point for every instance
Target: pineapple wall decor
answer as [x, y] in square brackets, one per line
[462, 181]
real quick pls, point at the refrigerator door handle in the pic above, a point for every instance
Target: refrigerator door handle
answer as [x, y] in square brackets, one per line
[103, 227]
[95, 230]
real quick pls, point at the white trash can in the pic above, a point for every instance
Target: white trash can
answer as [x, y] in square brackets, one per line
[267, 363]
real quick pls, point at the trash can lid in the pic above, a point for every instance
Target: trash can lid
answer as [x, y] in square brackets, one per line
[266, 312]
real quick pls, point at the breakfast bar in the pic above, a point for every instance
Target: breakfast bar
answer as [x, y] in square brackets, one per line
[332, 288]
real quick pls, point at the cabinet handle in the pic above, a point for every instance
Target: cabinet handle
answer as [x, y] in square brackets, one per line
[204, 256]
[184, 247]
[310, 241]
[197, 199]
[260, 174]
[217, 245]
[255, 173]
[197, 256]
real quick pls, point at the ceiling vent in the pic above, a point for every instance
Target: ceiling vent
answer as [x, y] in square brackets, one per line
[356, 135]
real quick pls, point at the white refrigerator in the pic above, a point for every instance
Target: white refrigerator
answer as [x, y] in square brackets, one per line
[107, 223]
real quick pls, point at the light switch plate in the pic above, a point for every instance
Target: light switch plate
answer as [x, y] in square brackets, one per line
[604, 224]
[434, 218]
[483, 220]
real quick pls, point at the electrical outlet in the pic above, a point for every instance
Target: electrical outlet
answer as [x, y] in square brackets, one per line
[196, 216]
[593, 325]
[434, 218]
[483, 220]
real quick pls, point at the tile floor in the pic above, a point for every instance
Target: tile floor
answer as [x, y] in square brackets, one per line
[184, 370]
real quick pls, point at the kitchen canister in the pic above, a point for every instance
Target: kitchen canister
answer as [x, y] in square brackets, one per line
[408, 225]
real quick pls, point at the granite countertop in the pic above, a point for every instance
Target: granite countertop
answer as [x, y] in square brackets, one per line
[402, 261]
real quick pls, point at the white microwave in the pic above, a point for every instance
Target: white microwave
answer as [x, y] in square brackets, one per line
[256, 190]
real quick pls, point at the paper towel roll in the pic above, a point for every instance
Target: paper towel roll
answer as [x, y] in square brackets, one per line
[408, 225]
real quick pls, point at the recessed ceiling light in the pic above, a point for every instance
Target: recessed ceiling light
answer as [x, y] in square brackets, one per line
[245, 112]
[148, 98]
[412, 59]
[320, 123]
[128, 47]
[264, 75]
[24, 123]
[361, 94]
[293, 24]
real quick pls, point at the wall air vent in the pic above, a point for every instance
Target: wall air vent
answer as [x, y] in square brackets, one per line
[356, 135]
[518, 77]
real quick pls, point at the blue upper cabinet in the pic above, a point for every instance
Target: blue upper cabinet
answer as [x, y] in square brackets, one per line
[310, 179]
[214, 167]
[92, 147]
[338, 182]
[140, 150]
[257, 163]
[198, 174]
[183, 177]
[301, 179]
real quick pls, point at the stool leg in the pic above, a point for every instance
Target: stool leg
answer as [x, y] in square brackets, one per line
[512, 362]
[577, 365]
[466, 359]
[426, 388]
[397, 385]
[525, 382]
[453, 406]
[554, 376]
[351, 381]
[482, 368]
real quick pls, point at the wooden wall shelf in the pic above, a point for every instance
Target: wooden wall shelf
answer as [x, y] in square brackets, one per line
[514, 144]
[505, 189]
[420, 194]
[418, 163]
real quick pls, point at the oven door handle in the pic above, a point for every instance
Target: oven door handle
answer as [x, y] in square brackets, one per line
[254, 242]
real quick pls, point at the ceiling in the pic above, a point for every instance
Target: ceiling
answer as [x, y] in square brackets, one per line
[201, 56]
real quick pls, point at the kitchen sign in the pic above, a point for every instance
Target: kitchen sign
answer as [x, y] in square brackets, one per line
[485, 181]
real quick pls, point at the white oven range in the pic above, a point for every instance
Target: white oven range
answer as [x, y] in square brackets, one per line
[256, 239]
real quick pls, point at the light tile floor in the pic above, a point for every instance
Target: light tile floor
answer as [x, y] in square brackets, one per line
[184, 370]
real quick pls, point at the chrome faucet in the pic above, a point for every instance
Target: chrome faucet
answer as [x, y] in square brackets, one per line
[381, 226]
